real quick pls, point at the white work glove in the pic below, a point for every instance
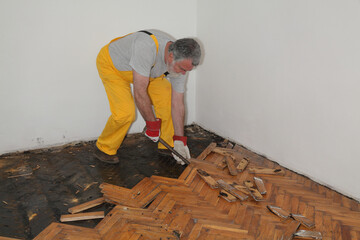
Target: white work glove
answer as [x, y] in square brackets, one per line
[180, 145]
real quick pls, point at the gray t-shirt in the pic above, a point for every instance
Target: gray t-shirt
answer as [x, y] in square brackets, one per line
[138, 51]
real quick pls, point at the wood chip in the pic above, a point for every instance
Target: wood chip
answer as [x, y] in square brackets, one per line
[89, 185]
[31, 217]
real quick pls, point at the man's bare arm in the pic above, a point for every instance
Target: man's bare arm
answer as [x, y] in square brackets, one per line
[141, 96]
[178, 112]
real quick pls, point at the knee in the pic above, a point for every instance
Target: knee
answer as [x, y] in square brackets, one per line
[124, 116]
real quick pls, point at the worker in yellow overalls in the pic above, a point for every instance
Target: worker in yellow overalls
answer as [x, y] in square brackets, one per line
[157, 66]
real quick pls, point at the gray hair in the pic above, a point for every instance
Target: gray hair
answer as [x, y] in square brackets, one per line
[186, 48]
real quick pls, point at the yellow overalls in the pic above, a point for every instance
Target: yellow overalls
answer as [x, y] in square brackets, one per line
[122, 105]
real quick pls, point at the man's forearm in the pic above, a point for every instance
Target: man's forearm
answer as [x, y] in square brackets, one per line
[143, 102]
[178, 114]
[178, 117]
[142, 99]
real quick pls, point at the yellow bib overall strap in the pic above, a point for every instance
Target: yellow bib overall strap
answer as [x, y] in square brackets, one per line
[148, 33]
[155, 41]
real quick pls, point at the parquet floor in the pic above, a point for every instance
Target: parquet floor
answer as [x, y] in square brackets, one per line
[187, 208]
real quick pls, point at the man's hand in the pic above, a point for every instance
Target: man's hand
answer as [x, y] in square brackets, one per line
[180, 145]
[153, 129]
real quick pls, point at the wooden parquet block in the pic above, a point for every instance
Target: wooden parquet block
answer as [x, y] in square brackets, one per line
[188, 208]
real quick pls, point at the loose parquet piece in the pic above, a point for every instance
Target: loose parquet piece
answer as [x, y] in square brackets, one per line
[260, 185]
[241, 188]
[227, 196]
[303, 220]
[232, 190]
[241, 164]
[279, 212]
[304, 234]
[253, 191]
[207, 151]
[207, 178]
[81, 216]
[87, 205]
[270, 171]
[227, 151]
[231, 165]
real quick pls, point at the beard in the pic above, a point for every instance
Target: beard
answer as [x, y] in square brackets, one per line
[170, 69]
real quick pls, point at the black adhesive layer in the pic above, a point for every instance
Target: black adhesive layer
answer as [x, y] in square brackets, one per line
[37, 187]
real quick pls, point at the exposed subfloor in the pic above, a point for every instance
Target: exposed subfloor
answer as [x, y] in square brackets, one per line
[38, 186]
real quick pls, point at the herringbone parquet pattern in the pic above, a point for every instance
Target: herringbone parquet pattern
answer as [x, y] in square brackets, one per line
[187, 208]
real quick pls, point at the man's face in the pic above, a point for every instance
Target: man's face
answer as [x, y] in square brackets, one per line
[179, 67]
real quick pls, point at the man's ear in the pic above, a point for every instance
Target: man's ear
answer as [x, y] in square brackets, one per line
[171, 57]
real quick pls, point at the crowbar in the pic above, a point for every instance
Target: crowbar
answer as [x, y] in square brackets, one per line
[173, 151]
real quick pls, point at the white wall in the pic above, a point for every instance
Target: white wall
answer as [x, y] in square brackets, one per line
[283, 79]
[50, 92]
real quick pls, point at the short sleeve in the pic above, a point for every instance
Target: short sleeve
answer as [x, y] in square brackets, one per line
[178, 83]
[143, 55]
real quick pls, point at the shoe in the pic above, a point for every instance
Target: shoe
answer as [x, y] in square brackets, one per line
[112, 159]
[165, 152]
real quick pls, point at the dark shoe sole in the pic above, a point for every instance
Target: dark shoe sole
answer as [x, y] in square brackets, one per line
[105, 158]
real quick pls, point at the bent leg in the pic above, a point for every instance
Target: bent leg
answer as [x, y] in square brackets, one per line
[122, 106]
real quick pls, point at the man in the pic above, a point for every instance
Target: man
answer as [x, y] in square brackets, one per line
[157, 66]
